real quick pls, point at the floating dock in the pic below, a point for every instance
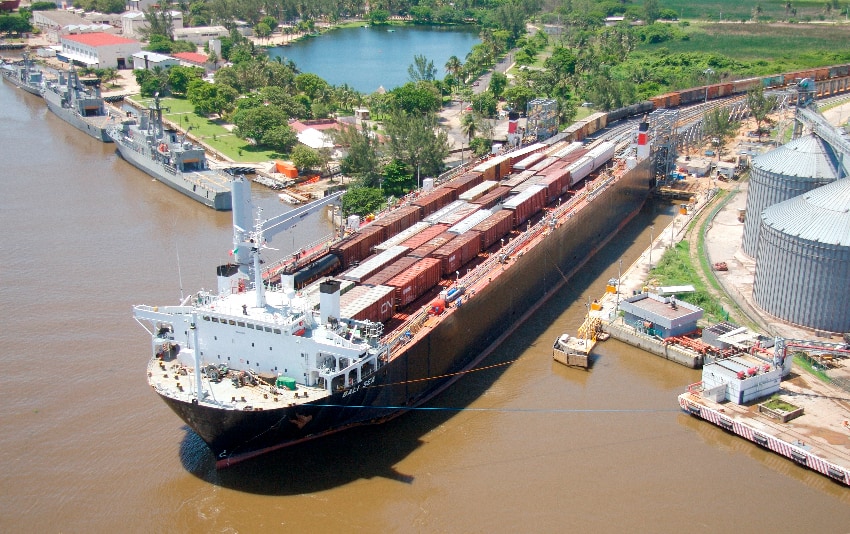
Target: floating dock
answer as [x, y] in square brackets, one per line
[817, 438]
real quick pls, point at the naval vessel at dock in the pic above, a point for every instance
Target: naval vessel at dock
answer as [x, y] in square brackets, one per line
[78, 102]
[24, 74]
[382, 320]
[169, 157]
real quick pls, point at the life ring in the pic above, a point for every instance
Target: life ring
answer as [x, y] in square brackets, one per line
[300, 323]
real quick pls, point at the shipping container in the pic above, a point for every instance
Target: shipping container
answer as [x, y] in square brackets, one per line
[517, 179]
[839, 71]
[416, 280]
[569, 149]
[402, 236]
[493, 198]
[601, 153]
[358, 246]
[368, 303]
[425, 249]
[399, 220]
[522, 153]
[528, 161]
[527, 204]
[542, 164]
[424, 236]
[725, 90]
[479, 190]
[596, 121]
[390, 271]
[445, 211]
[494, 227]
[487, 169]
[374, 263]
[471, 220]
[689, 96]
[742, 86]
[458, 252]
[467, 181]
[435, 200]
[580, 169]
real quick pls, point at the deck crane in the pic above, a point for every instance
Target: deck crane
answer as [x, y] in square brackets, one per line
[249, 237]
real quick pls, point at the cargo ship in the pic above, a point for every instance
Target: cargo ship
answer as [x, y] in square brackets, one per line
[383, 319]
[24, 74]
[169, 157]
[78, 102]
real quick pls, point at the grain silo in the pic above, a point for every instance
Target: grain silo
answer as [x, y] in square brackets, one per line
[803, 264]
[786, 172]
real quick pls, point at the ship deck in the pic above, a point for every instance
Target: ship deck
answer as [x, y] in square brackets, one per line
[407, 327]
[217, 181]
[176, 381]
[823, 430]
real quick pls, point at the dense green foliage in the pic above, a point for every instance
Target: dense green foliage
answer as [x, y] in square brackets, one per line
[102, 6]
[14, 24]
[362, 201]
[675, 268]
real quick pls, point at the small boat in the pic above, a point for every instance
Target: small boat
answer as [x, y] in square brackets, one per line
[289, 199]
[572, 351]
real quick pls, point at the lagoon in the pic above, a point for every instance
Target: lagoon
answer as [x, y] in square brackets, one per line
[367, 58]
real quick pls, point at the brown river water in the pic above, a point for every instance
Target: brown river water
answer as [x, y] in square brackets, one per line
[521, 445]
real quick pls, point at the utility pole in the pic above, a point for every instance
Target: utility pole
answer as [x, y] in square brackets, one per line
[651, 230]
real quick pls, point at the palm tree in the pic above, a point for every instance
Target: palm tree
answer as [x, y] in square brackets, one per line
[469, 126]
[454, 67]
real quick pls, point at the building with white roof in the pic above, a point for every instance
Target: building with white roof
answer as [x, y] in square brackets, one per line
[56, 23]
[200, 35]
[145, 60]
[134, 22]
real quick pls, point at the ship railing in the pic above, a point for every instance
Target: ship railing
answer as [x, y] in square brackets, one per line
[400, 336]
[171, 169]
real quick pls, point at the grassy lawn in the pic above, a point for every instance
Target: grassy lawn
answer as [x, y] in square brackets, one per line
[736, 10]
[792, 46]
[181, 112]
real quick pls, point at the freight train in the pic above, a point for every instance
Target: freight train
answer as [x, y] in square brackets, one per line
[829, 81]
[529, 160]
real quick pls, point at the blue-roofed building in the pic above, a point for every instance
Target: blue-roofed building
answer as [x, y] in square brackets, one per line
[663, 316]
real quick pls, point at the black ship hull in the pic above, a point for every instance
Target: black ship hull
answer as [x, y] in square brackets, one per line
[426, 367]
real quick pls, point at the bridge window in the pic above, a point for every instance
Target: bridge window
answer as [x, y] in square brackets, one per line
[251, 326]
[215, 319]
[277, 330]
[240, 323]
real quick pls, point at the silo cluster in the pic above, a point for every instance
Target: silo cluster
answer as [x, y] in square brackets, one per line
[791, 170]
[803, 260]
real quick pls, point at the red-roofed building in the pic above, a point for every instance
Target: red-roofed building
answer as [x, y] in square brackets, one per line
[99, 50]
[194, 59]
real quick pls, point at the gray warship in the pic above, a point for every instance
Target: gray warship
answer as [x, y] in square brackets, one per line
[24, 74]
[169, 157]
[78, 102]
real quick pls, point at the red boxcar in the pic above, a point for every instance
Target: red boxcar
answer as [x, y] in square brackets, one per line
[416, 280]
[363, 303]
[494, 227]
[458, 252]
[399, 220]
[493, 197]
[358, 246]
[435, 200]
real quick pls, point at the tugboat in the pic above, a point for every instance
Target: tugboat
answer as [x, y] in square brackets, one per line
[170, 158]
[25, 75]
[79, 103]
